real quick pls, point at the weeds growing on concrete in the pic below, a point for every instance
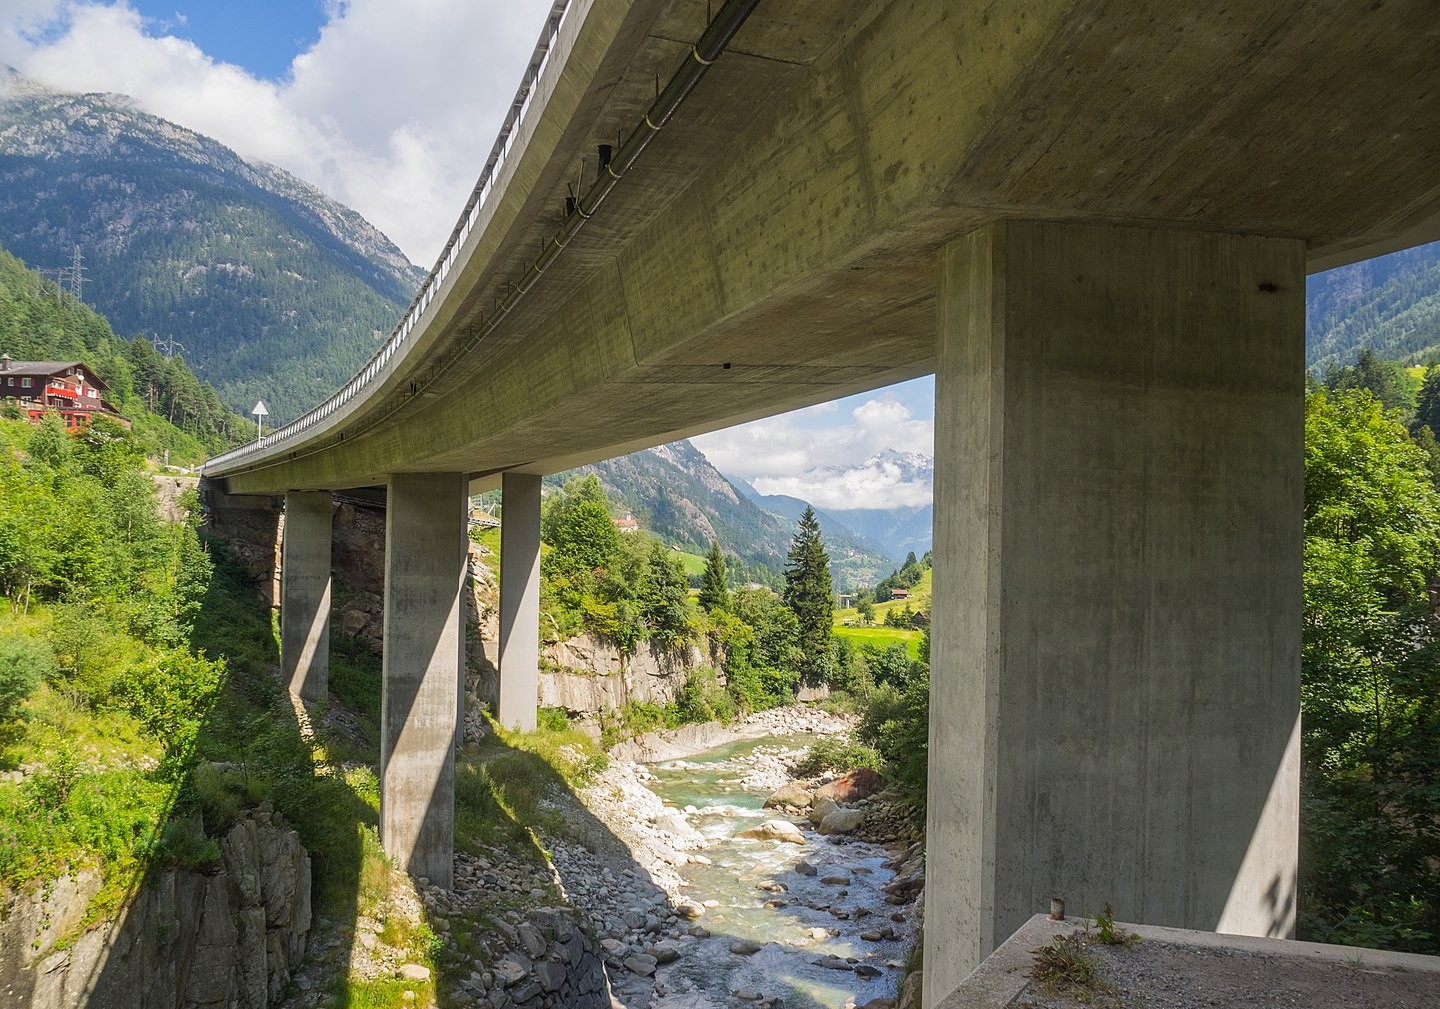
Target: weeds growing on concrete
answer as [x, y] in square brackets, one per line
[1064, 967]
[1107, 933]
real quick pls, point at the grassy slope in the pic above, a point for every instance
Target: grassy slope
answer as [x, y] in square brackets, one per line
[919, 600]
[694, 564]
[883, 637]
[847, 621]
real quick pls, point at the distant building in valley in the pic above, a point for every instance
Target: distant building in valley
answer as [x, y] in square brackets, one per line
[69, 388]
[627, 524]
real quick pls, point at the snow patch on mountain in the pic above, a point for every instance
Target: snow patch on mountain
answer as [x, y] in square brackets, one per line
[888, 479]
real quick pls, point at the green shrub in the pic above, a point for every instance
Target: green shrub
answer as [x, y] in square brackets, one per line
[172, 694]
[183, 844]
[49, 788]
[24, 662]
[896, 721]
[89, 654]
[222, 790]
[638, 717]
[701, 699]
[552, 719]
[837, 755]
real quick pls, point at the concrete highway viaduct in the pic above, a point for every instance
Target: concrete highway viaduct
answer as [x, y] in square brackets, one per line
[1090, 219]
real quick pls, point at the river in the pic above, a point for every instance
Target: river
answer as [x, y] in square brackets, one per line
[797, 919]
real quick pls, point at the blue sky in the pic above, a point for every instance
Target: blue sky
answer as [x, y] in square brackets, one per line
[390, 107]
[263, 36]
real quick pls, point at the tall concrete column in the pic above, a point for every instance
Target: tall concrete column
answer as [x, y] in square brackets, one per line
[1116, 629]
[423, 659]
[519, 600]
[305, 594]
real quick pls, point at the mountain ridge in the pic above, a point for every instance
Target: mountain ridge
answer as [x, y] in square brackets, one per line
[894, 529]
[1390, 305]
[675, 492]
[274, 290]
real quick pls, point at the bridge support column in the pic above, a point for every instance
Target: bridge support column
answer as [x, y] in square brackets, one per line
[519, 600]
[1116, 629]
[305, 594]
[423, 659]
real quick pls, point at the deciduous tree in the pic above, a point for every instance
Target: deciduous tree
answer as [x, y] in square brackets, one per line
[1370, 686]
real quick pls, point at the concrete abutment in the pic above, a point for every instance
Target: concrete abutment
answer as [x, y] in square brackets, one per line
[425, 555]
[1116, 640]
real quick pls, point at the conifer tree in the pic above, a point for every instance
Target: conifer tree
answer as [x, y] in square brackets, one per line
[807, 593]
[714, 593]
[666, 597]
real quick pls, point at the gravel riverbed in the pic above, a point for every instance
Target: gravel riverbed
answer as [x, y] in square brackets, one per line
[693, 917]
[652, 901]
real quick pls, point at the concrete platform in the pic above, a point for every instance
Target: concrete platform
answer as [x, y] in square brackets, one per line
[1171, 968]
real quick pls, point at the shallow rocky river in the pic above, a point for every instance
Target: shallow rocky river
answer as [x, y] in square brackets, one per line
[714, 920]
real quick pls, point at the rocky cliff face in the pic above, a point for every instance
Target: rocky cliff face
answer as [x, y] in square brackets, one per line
[584, 675]
[187, 940]
[587, 675]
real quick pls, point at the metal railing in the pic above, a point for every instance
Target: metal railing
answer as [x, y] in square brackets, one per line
[545, 58]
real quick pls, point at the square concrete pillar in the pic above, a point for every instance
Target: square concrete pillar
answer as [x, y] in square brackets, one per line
[423, 660]
[305, 594]
[1115, 648]
[519, 600]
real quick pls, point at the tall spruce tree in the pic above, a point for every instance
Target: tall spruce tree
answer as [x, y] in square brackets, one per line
[807, 593]
[665, 597]
[714, 593]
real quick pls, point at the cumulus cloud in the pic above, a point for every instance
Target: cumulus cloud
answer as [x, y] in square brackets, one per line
[391, 111]
[875, 454]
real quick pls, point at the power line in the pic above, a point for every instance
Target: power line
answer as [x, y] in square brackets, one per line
[168, 346]
[77, 274]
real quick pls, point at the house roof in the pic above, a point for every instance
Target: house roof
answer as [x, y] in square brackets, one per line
[48, 368]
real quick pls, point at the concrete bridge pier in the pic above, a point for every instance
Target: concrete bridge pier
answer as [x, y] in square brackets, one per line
[519, 600]
[305, 594]
[1115, 657]
[423, 661]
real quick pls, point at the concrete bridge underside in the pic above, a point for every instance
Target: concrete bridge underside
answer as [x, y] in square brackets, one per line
[1092, 221]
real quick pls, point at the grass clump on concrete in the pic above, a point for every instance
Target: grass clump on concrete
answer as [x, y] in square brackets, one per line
[1065, 967]
[1107, 932]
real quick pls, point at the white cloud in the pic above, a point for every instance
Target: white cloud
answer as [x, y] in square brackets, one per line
[876, 483]
[391, 111]
[840, 462]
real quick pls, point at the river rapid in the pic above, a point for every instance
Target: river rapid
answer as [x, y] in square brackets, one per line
[702, 919]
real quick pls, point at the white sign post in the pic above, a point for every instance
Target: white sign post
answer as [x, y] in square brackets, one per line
[260, 413]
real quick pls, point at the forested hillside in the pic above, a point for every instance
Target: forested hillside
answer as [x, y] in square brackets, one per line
[675, 493]
[171, 409]
[274, 290]
[1390, 305]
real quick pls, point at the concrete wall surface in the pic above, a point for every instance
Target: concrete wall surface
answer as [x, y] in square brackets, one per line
[1170, 964]
[424, 567]
[305, 594]
[519, 601]
[774, 246]
[1115, 683]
